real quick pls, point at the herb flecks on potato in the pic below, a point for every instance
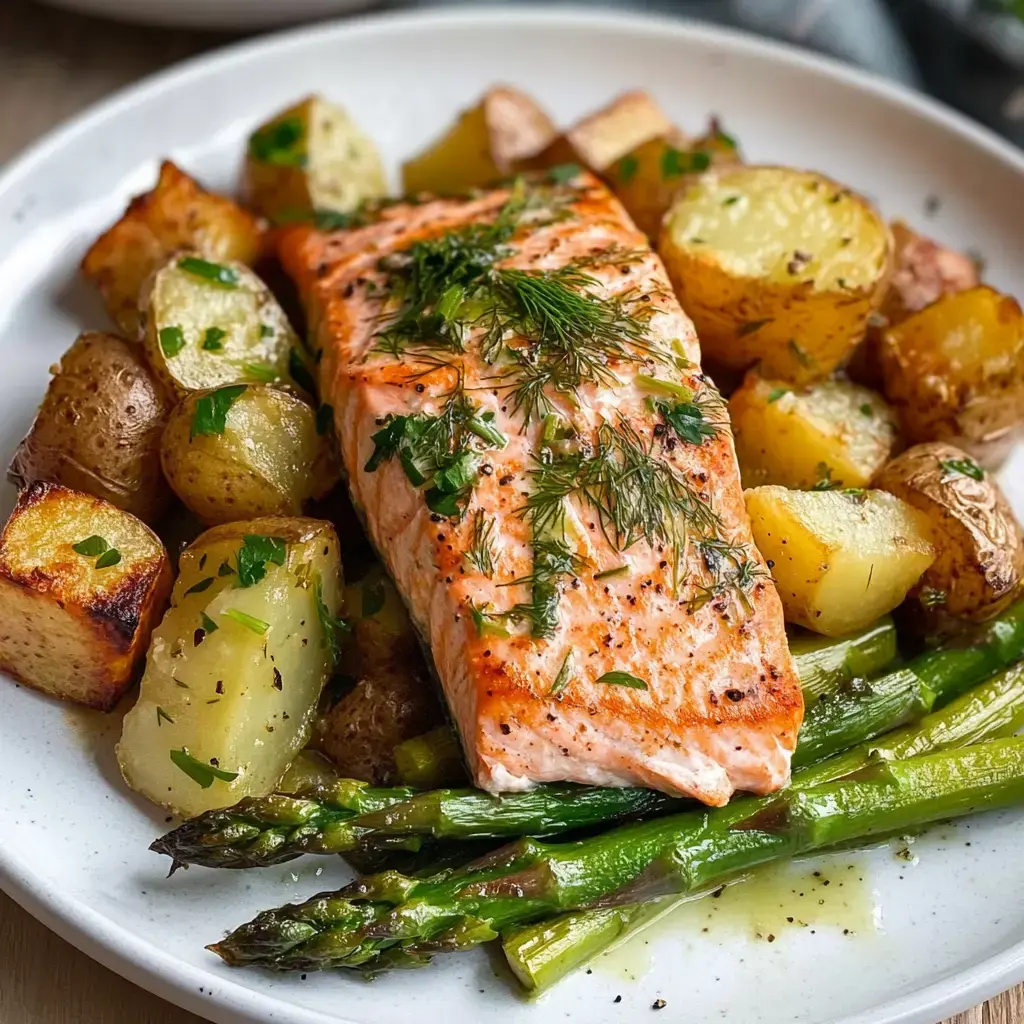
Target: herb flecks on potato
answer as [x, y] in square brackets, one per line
[99, 426]
[955, 372]
[311, 157]
[244, 451]
[489, 141]
[776, 266]
[980, 548]
[235, 669]
[841, 559]
[832, 433]
[81, 585]
[177, 214]
[210, 324]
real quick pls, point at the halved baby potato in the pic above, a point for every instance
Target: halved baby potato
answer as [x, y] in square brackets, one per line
[309, 157]
[649, 177]
[955, 372]
[209, 324]
[600, 139]
[980, 562]
[488, 142]
[82, 583]
[841, 559]
[177, 214]
[244, 451]
[777, 266]
[235, 669]
[830, 432]
[98, 428]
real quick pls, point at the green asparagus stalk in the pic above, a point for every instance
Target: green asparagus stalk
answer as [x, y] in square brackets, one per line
[823, 663]
[431, 761]
[866, 709]
[679, 853]
[543, 953]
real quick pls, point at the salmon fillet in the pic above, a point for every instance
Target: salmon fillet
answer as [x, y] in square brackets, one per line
[592, 598]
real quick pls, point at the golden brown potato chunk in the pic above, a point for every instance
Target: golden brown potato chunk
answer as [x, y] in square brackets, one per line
[606, 136]
[649, 177]
[980, 549]
[99, 426]
[81, 585]
[393, 699]
[311, 156]
[177, 214]
[955, 371]
[776, 266]
[488, 142]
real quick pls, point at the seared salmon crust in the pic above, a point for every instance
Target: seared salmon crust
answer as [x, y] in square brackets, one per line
[552, 484]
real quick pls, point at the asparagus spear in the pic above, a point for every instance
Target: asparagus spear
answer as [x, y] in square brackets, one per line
[543, 953]
[431, 760]
[217, 839]
[680, 853]
[823, 663]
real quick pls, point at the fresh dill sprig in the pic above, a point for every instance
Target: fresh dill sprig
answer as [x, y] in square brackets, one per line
[480, 553]
[634, 494]
[553, 563]
[732, 571]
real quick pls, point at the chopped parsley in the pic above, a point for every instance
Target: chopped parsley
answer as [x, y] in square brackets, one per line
[162, 716]
[776, 393]
[266, 331]
[867, 409]
[200, 772]
[687, 419]
[261, 373]
[962, 467]
[213, 339]
[752, 326]
[255, 554]
[333, 627]
[214, 273]
[622, 679]
[562, 174]
[628, 166]
[677, 162]
[825, 481]
[98, 548]
[198, 588]
[209, 626]
[210, 415]
[172, 340]
[280, 143]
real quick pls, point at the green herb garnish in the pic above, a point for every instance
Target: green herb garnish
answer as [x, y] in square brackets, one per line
[867, 409]
[214, 273]
[279, 143]
[751, 326]
[799, 354]
[198, 588]
[261, 373]
[162, 716]
[91, 546]
[255, 554]
[200, 772]
[825, 481]
[213, 339]
[776, 393]
[562, 174]
[677, 162]
[564, 676]
[210, 415]
[257, 626]
[480, 553]
[333, 628]
[610, 574]
[962, 467]
[300, 372]
[485, 623]
[266, 331]
[622, 679]
[109, 557]
[689, 421]
[172, 340]
[628, 166]
[209, 626]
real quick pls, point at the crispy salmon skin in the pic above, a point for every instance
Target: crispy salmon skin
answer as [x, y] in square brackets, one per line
[552, 483]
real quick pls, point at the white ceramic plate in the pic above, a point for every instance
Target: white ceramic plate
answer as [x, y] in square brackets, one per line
[931, 937]
[220, 14]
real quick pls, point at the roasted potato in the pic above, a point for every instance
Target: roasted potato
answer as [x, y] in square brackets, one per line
[955, 372]
[177, 214]
[979, 546]
[924, 272]
[831, 432]
[841, 559]
[81, 585]
[649, 177]
[246, 451]
[487, 142]
[99, 426]
[311, 156]
[393, 699]
[778, 266]
[210, 324]
[235, 669]
[601, 139]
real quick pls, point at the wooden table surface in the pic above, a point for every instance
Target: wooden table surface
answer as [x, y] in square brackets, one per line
[51, 65]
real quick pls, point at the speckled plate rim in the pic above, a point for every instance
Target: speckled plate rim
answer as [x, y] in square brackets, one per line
[189, 987]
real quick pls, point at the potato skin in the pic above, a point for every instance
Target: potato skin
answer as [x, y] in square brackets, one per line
[753, 292]
[504, 130]
[68, 628]
[177, 214]
[269, 460]
[98, 428]
[394, 698]
[955, 372]
[979, 545]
